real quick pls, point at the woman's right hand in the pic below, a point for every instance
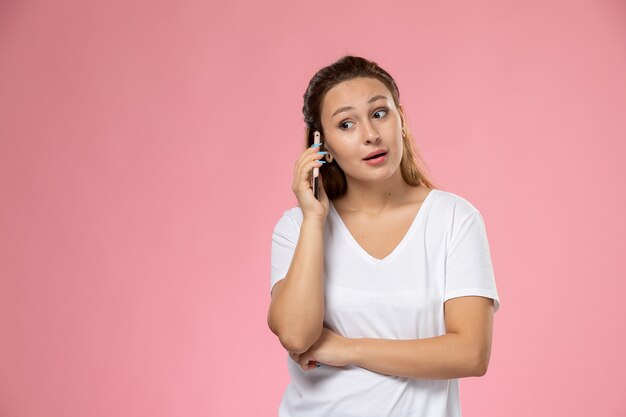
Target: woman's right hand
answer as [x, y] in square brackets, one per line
[302, 185]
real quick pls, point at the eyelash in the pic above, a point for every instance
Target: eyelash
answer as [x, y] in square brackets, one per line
[386, 110]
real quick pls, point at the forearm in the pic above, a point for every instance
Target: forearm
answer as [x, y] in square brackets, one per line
[442, 357]
[300, 308]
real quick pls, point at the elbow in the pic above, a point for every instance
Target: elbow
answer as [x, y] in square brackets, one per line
[481, 369]
[296, 342]
[481, 363]
[294, 345]
[271, 323]
[299, 343]
[290, 345]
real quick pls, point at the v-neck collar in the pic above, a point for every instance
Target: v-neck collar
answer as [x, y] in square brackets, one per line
[416, 220]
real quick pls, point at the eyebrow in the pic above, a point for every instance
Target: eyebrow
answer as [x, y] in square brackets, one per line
[371, 100]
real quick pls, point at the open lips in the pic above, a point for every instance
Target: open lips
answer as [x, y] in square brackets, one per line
[375, 154]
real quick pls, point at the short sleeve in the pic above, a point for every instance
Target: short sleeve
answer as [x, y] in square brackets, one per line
[284, 240]
[469, 270]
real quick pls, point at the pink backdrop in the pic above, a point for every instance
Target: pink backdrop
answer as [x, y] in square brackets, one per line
[147, 150]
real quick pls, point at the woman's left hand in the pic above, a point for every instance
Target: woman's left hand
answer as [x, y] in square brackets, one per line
[330, 349]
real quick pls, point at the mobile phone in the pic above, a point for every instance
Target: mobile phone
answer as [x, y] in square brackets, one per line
[316, 170]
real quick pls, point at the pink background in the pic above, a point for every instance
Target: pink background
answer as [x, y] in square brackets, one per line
[147, 150]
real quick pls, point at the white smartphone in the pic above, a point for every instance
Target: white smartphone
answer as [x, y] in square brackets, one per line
[316, 170]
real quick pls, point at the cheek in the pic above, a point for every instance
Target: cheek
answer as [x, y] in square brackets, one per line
[336, 149]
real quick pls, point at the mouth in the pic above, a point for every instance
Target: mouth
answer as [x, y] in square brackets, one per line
[375, 155]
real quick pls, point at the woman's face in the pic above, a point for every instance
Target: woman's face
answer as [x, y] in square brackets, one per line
[359, 117]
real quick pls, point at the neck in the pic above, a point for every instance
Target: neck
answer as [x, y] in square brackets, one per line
[374, 197]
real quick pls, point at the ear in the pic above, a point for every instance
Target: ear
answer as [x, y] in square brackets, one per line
[401, 112]
[324, 144]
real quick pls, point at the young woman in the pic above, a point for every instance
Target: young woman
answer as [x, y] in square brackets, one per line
[382, 291]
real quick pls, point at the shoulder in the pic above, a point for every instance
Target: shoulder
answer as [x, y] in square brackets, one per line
[295, 214]
[456, 216]
[450, 204]
[452, 213]
[290, 219]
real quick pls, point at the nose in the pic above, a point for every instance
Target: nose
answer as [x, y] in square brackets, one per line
[370, 133]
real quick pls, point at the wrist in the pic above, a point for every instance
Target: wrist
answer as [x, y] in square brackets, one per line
[313, 220]
[352, 351]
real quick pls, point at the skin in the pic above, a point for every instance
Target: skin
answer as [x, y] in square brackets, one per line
[377, 194]
[352, 134]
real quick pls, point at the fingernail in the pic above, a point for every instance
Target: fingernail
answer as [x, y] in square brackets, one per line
[322, 153]
[321, 161]
[316, 145]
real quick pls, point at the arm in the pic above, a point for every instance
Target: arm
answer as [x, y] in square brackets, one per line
[463, 351]
[296, 312]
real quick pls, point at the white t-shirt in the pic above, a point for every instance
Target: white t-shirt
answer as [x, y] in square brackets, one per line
[444, 254]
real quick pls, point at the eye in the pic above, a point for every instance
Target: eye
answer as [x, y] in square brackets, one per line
[342, 124]
[381, 110]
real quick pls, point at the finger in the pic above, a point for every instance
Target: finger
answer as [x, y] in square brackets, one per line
[310, 365]
[303, 177]
[307, 155]
[305, 165]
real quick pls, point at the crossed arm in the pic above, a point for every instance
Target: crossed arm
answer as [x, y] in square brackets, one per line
[463, 351]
